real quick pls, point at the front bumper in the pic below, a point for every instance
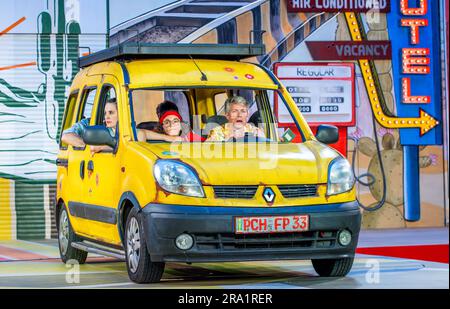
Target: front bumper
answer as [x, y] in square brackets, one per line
[215, 240]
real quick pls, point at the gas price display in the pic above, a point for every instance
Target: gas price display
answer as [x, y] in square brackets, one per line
[324, 93]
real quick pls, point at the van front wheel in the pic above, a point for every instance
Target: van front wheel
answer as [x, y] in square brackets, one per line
[66, 237]
[333, 267]
[140, 268]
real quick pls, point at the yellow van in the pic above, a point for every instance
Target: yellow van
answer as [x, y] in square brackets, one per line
[275, 192]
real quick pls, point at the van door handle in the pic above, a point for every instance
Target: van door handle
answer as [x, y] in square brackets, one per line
[90, 166]
[82, 169]
[62, 162]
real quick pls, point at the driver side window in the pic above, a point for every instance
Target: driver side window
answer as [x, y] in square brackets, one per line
[108, 94]
[107, 113]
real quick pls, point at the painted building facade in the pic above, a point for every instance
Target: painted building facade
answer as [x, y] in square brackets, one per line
[44, 39]
[40, 46]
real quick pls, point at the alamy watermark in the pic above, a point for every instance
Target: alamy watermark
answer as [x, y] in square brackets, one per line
[373, 274]
[73, 272]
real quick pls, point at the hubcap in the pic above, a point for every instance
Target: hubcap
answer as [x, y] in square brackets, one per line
[133, 245]
[63, 235]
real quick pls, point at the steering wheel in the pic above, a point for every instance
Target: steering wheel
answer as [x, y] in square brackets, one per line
[249, 138]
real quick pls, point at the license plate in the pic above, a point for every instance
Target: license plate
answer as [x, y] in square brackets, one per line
[271, 224]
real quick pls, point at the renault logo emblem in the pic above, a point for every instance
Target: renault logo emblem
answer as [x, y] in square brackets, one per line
[268, 195]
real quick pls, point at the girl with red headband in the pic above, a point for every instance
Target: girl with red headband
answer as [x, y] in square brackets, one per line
[171, 127]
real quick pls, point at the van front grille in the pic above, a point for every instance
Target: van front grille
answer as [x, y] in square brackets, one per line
[248, 192]
[294, 191]
[243, 192]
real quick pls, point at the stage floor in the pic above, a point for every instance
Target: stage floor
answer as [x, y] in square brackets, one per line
[405, 259]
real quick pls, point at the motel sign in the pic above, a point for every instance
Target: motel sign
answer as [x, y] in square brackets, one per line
[416, 66]
[417, 83]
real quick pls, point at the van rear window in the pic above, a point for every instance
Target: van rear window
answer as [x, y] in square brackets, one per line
[68, 116]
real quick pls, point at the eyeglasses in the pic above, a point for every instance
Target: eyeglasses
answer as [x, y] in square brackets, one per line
[167, 122]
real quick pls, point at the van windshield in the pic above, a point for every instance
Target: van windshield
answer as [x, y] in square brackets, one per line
[213, 115]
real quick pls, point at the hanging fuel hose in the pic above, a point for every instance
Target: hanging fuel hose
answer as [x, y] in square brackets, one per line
[370, 177]
[356, 29]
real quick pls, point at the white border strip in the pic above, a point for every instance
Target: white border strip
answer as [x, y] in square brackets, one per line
[12, 205]
[47, 212]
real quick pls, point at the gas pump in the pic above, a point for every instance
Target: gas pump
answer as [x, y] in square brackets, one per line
[324, 93]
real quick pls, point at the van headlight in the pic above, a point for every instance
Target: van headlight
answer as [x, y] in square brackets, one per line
[177, 178]
[340, 177]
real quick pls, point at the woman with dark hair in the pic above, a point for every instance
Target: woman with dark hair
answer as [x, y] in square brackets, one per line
[166, 106]
[171, 127]
[73, 135]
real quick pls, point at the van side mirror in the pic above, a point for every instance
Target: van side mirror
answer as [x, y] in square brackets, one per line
[98, 135]
[327, 134]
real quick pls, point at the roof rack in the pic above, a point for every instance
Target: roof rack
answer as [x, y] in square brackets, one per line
[128, 51]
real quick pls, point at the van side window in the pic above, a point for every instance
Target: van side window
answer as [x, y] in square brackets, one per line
[85, 109]
[87, 104]
[108, 92]
[68, 117]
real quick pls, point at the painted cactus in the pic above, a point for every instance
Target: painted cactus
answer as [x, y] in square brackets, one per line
[390, 215]
[392, 156]
[57, 55]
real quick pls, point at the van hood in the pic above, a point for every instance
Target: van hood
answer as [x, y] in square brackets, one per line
[251, 163]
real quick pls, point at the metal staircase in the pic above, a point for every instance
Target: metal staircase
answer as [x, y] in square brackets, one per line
[224, 22]
[177, 21]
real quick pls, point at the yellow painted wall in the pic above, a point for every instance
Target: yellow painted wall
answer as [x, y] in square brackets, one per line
[7, 217]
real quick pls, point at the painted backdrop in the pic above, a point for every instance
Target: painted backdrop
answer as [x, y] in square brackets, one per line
[42, 39]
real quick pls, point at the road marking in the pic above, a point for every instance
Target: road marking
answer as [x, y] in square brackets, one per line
[106, 285]
[435, 269]
[4, 258]
[58, 273]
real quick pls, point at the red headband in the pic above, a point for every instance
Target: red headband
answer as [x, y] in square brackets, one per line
[169, 113]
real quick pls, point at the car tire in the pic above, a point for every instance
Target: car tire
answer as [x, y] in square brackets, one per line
[66, 236]
[139, 265]
[333, 267]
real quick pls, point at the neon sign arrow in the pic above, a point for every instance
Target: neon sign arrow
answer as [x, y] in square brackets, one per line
[425, 122]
